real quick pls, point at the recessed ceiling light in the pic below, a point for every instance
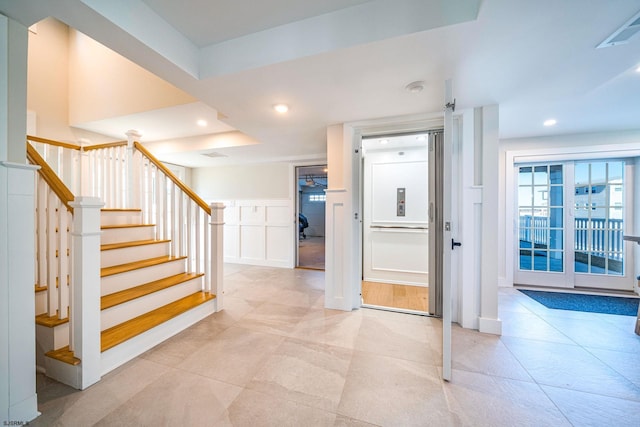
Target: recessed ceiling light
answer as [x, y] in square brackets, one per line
[638, 69]
[550, 122]
[281, 108]
[201, 123]
[384, 141]
[415, 87]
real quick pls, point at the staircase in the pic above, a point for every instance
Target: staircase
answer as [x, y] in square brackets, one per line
[150, 287]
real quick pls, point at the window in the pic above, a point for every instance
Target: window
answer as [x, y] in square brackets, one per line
[317, 197]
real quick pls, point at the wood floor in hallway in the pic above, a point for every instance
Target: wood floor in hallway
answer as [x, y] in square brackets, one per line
[396, 296]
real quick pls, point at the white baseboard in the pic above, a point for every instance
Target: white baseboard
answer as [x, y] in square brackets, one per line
[490, 326]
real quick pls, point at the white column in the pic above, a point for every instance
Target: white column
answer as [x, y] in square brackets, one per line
[17, 303]
[489, 321]
[342, 249]
[133, 172]
[217, 253]
[470, 205]
[18, 401]
[85, 297]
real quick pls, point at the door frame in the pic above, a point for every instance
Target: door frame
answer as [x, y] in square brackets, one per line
[379, 128]
[548, 155]
[293, 185]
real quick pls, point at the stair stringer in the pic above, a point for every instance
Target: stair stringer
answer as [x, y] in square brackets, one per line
[133, 347]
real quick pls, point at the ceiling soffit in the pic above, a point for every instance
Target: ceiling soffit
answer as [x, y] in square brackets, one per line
[360, 24]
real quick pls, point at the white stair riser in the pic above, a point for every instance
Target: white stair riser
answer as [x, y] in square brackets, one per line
[134, 308]
[52, 338]
[126, 234]
[119, 256]
[119, 282]
[137, 345]
[120, 217]
[41, 302]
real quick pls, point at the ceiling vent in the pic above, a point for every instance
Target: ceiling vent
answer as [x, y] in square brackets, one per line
[214, 154]
[623, 34]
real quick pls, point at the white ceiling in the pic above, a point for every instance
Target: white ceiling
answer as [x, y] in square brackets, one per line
[347, 60]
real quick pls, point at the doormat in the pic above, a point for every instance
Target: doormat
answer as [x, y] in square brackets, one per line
[589, 303]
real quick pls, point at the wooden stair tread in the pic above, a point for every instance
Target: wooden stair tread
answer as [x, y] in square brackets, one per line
[50, 321]
[40, 288]
[126, 295]
[121, 210]
[110, 227]
[120, 333]
[64, 355]
[131, 244]
[130, 266]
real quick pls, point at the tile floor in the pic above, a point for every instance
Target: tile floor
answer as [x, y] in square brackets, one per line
[276, 357]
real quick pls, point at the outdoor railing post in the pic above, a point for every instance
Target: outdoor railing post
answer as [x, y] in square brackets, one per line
[217, 255]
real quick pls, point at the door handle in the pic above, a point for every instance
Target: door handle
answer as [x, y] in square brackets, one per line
[454, 244]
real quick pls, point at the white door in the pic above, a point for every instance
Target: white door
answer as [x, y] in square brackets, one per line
[572, 216]
[447, 211]
[395, 221]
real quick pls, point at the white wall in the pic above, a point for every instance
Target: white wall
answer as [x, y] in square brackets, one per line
[104, 84]
[259, 232]
[255, 181]
[259, 214]
[48, 84]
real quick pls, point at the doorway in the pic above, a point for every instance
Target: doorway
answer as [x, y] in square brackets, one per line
[572, 216]
[311, 183]
[395, 222]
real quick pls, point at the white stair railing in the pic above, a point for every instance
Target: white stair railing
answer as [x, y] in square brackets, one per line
[181, 216]
[123, 175]
[53, 220]
[99, 170]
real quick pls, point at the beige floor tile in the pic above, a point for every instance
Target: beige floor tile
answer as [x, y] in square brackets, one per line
[331, 327]
[393, 392]
[235, 308]
[253, 409]
[485, 354]
[85, 408]
[596, 332]
[173, 351]
[274, 318]
[483, 400]
[531, 326]
[399, 339]
[307, 373]
[626, 364]
[587, 409]
[342, 421]
[234, 356]
[176, 398]
[571, 367]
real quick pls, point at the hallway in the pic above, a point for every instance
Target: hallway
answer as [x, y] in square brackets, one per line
[276, 357]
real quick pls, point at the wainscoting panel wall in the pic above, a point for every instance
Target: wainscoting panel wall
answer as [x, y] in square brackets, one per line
[259, 232]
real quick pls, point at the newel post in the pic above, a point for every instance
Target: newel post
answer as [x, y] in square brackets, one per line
[85, 298]
[217, 254]
[133, 173]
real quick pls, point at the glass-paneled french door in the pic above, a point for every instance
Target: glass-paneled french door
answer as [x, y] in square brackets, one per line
[571, 220]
